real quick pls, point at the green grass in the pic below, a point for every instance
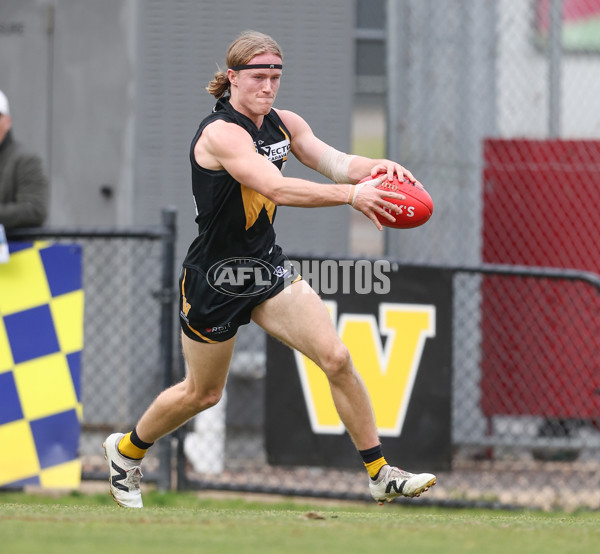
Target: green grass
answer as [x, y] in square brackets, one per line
[181, 523]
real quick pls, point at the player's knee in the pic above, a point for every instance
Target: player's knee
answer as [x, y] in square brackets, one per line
[202, 400]
[336, 361]
[212, 398]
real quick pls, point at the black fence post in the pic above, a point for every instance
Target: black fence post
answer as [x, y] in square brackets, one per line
[167, 298]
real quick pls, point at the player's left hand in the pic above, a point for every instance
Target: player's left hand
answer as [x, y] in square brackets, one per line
[391, 168]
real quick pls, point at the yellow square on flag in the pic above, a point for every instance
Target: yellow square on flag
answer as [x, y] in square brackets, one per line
[23, 282]
[45, 386]
[67, 313]
[19, 458]
[62, 476]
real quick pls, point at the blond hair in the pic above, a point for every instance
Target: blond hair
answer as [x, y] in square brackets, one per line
[240, 52]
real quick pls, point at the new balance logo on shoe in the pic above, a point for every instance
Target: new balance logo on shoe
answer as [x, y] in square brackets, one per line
[120, 476]
[392, 485]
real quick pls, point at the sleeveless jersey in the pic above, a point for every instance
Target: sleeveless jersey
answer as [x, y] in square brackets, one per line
[234, 220]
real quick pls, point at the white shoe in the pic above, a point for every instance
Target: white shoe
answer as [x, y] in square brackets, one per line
[125, 474]
[393, 482]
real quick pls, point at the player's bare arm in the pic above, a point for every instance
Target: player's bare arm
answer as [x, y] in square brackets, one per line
[309, 150]
[225, 145]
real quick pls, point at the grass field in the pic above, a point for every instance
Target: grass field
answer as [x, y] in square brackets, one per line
[181, 523]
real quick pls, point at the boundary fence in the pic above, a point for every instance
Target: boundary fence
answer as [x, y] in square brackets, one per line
[507, 451]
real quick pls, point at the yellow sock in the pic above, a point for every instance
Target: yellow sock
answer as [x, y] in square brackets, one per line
[127, 448]
[374, 467]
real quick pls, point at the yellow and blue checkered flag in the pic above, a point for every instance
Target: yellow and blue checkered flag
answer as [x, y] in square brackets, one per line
[41, 340]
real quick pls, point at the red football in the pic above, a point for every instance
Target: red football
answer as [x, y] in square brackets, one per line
[415, 209]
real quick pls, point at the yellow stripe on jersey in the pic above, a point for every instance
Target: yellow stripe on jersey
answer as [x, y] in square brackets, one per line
[254, 201]
[253, 205]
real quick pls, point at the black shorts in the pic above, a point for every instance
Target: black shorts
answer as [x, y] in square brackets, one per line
[214, 303]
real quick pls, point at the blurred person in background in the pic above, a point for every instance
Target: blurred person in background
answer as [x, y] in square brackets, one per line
[23, 184]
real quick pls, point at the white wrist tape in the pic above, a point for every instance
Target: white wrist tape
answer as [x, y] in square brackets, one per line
[355, 189]
[334, 165]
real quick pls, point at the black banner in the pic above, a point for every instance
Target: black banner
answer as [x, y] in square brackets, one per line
[396, 322]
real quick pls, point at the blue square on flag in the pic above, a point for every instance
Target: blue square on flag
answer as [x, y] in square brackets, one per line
[14, 247]
[31, 333]
[62, 263]
[10, 405]
[56, 438]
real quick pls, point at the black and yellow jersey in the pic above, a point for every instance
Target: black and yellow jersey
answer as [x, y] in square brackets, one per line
[234, 220]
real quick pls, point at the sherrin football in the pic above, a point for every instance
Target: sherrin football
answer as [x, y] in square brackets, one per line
[415, 209]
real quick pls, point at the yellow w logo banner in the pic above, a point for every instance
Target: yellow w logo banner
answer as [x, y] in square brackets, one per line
[389, 367]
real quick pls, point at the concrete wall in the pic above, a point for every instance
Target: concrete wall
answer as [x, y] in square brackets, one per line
[25, 69]
[180, 47]
[110, 94]
[93, 99]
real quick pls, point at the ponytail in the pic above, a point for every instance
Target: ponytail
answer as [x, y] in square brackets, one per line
[219, 85]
